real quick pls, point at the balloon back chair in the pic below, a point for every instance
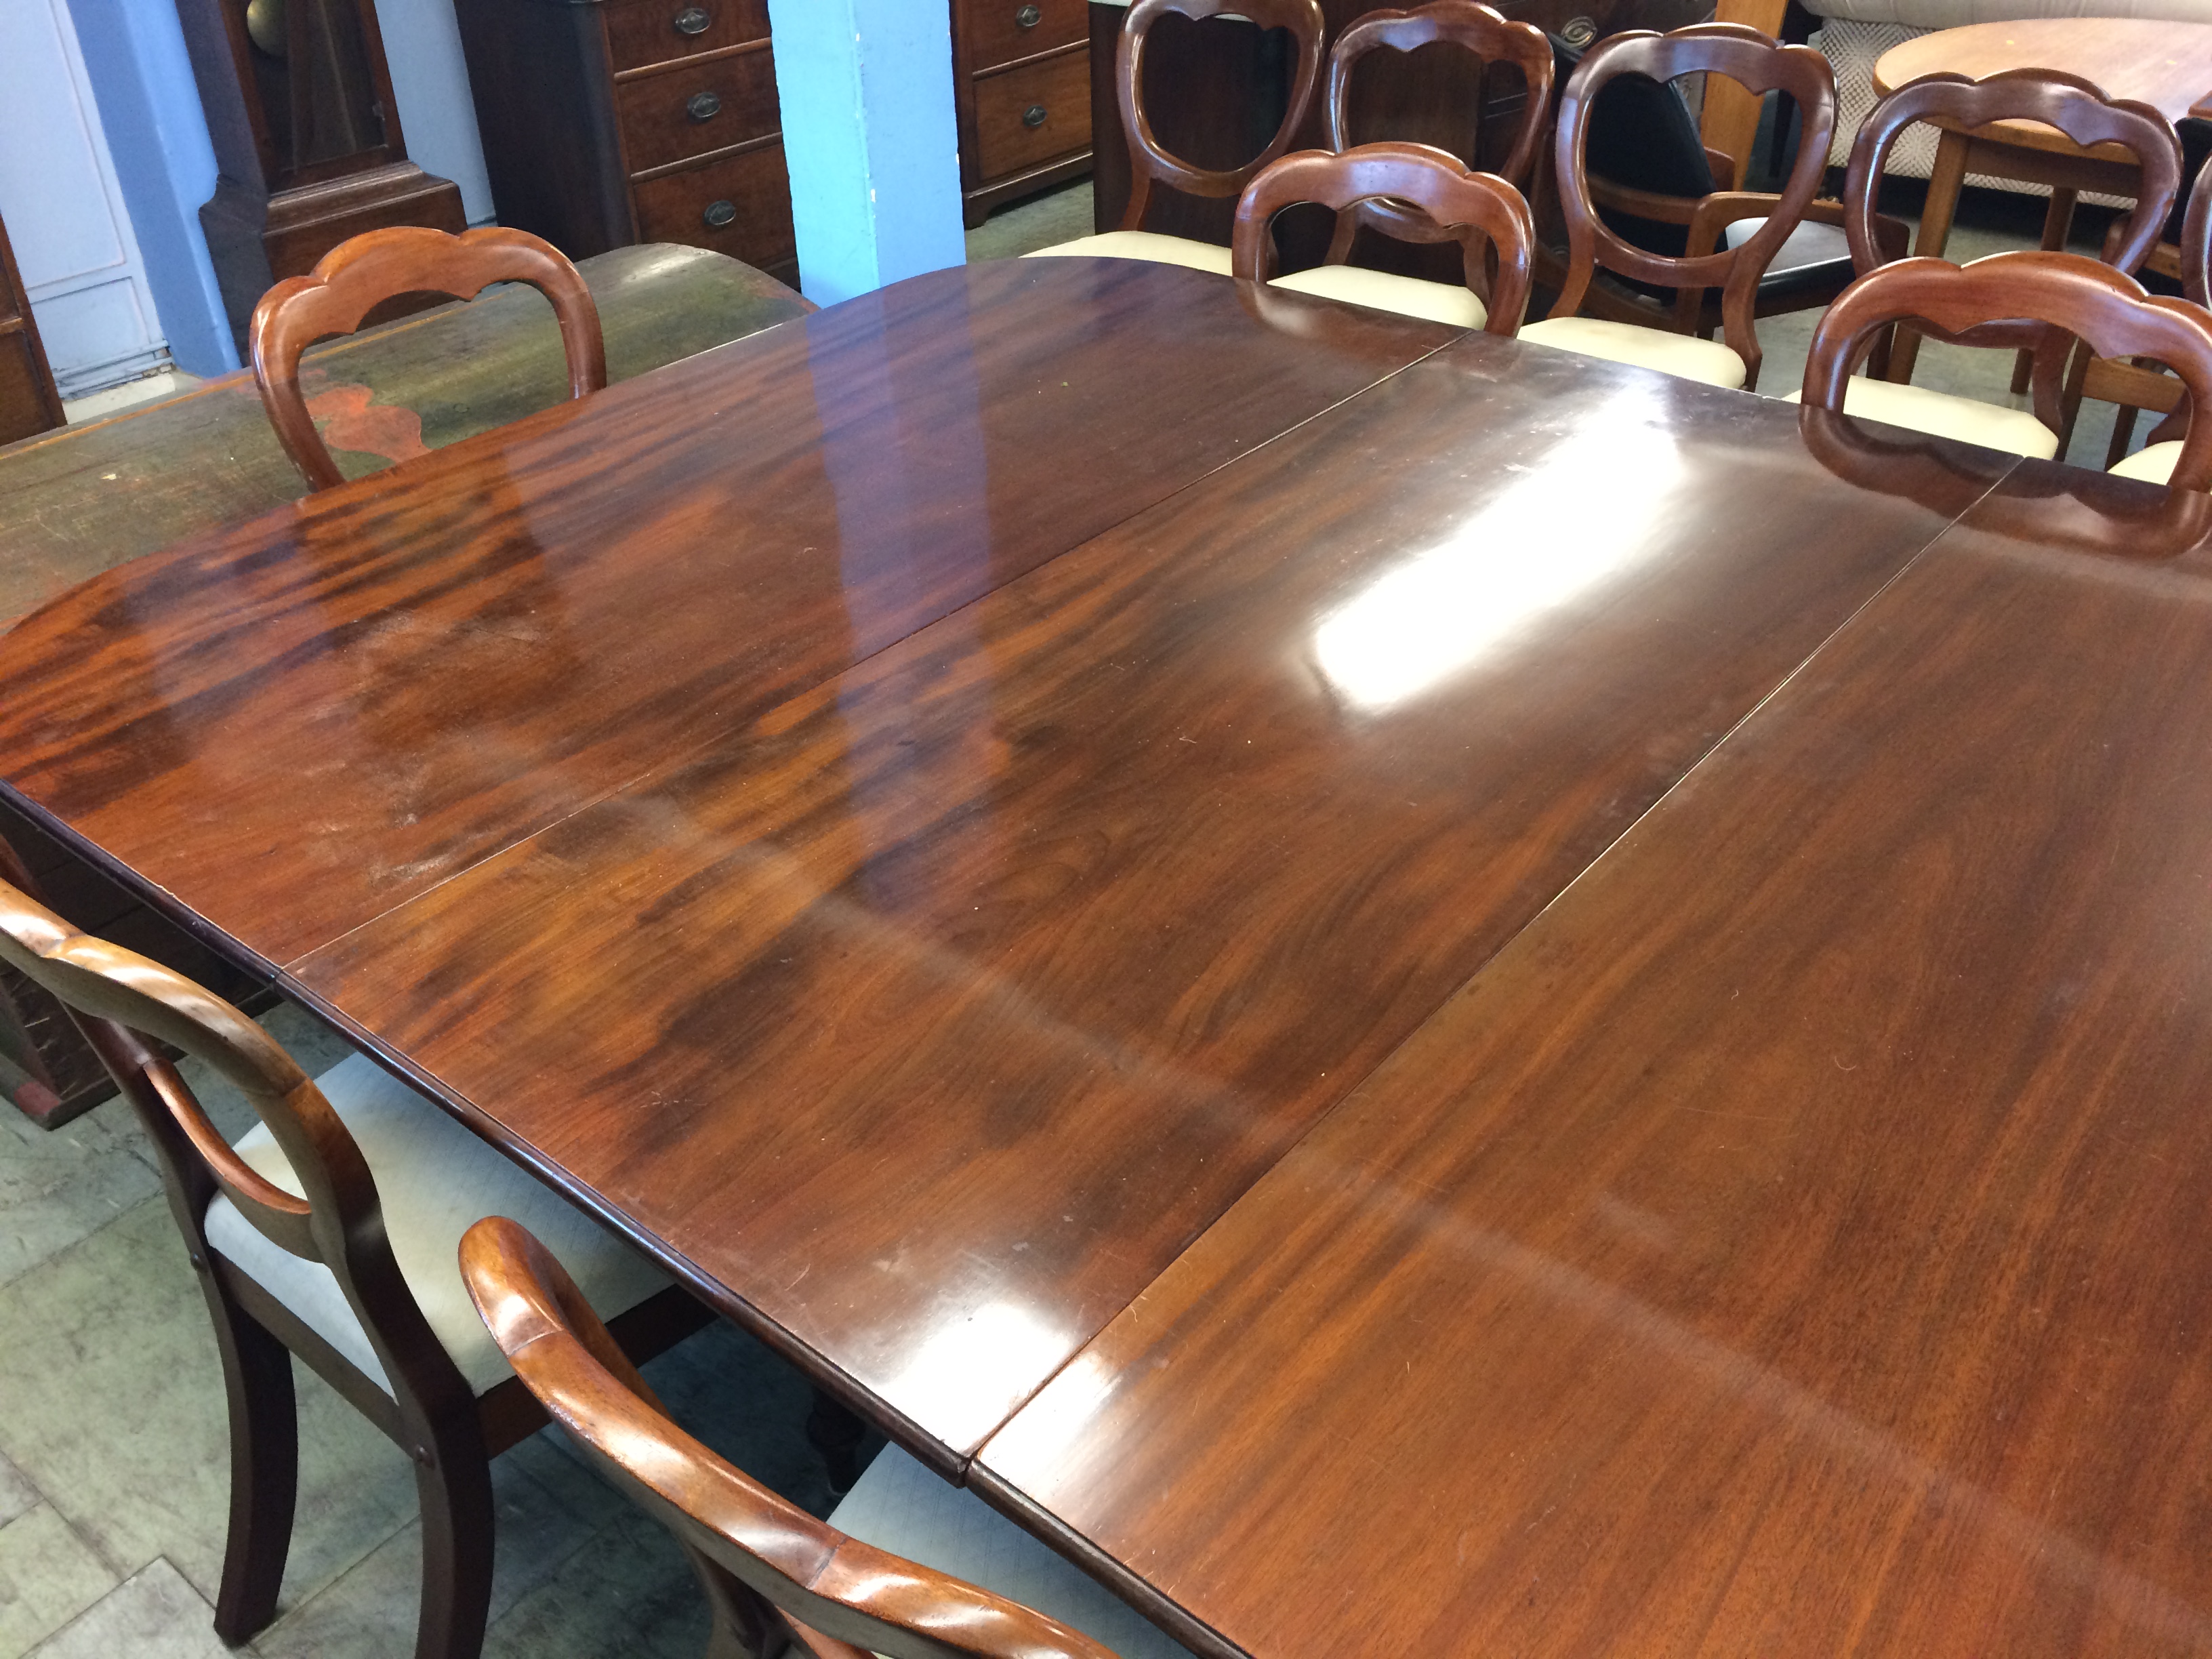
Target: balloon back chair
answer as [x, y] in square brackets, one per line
[329, 1232]
[2105, 308]
[1151, 166]
[364, 271]
[897, 1569]
[1477, 210]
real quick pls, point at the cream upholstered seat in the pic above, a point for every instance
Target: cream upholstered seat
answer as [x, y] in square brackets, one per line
[1141, 244]
[1683, 355]
[2153, 463]
[1941, 414]
[1425, 187]
[1384, 290]
[435, 1179]
[900, 1506]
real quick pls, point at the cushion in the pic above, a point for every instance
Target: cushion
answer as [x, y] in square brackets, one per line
[1383, 290]
[1917, 408]
[900, 1506]
[1647, 348]
[1811, 256]
[436, 1180]
[2153, 462]
[1142, 245]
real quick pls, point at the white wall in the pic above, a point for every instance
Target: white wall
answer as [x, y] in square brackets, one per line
[423, 44]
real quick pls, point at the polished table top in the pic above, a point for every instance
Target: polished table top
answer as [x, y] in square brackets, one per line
[913, 816]
[2168, 66]
[1793, 1242]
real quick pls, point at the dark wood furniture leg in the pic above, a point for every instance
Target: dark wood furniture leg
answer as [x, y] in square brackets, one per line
[835, 1431]
[1945, 180]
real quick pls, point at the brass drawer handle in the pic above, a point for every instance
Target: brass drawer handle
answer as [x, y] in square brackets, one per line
[693, 20]
[1033, 116]
[720, 214]
[1029, 18]
[1579, 33]
[703, 105]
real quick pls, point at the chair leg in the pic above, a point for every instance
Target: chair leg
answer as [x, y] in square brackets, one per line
[2124, 428]
[2057, 222]
[835, 1432]
[264, 1467]
[455, 1490]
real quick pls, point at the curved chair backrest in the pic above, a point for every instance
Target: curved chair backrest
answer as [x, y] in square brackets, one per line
[1754, 61]
[2196, 239]
[2077, 107]
[359, 274]
[121, 999]
[1148, 164]
[2106, 308]
[1474, 28]
[1471, 208]
[769, 1568]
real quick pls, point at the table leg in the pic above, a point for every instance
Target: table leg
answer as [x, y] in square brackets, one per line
[1944, 182]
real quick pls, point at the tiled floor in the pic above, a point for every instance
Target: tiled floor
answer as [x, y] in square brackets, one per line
[113, 1459]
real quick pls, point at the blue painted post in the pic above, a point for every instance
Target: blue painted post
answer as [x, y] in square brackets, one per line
[869, 132]
[141, 78]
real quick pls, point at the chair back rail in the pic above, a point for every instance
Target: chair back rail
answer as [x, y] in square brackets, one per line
[362, 272]
[1759, 64]
[1477, 210]
[768, 1567]
[1150, 163]
[2196, 239]
[2077, 107]
[1479, 30]
[2106, 309]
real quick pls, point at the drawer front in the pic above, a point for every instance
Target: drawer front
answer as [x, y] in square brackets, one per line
[739, 205]
[643, 32]
[1032, 115]
[995, 32]
[1580, 22]
[697, 108]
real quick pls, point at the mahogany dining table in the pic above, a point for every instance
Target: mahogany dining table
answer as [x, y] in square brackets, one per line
[1414, 993]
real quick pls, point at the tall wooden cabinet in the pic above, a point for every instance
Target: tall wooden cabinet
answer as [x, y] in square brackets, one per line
[307, 144]
[28, 403]
[609, 122]
[1021, 73]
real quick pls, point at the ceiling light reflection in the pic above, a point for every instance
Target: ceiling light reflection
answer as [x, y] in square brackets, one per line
[1584, 510]
[969, 1370]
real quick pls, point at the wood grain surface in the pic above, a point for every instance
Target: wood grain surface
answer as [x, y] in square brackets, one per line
[77, 502]
[291, 727]
[2168, 66]
[924, 1019]
[1793, 1243]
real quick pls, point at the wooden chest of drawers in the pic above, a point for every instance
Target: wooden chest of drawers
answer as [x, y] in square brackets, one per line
[1022, 82]
[609, 122]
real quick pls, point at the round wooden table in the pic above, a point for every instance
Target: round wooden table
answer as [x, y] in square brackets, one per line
[2165, 65]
